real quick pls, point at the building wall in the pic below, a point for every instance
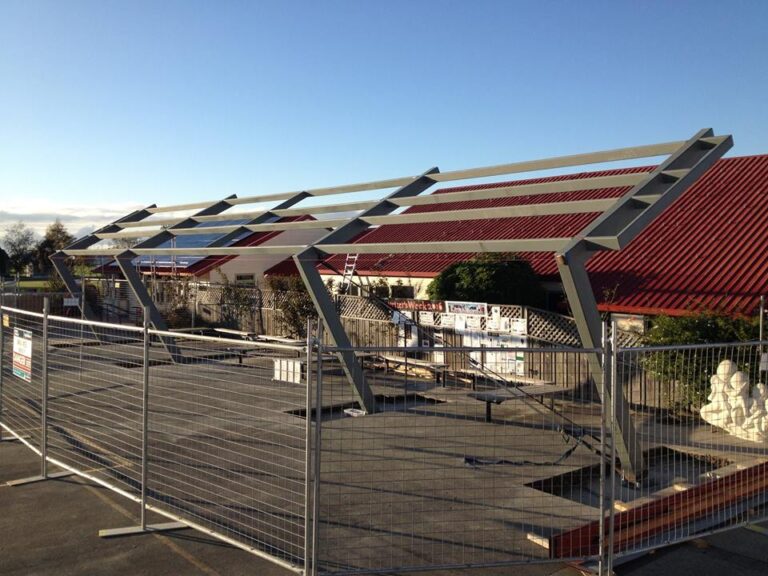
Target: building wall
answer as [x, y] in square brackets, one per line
[554, 289]
[257, 264]
[419, 285]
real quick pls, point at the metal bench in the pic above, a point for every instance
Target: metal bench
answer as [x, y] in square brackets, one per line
[501, 396]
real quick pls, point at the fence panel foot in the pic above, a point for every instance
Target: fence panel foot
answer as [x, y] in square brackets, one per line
[40, 478]
[4, 438]
[131, 530]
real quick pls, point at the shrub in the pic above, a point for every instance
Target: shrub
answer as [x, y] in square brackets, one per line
[690, 370]
[501, 279]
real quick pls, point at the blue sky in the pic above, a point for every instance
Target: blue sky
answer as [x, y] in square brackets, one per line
[107, 105]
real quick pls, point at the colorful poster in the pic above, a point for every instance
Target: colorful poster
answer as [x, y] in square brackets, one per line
[22, 354]
[471, 308]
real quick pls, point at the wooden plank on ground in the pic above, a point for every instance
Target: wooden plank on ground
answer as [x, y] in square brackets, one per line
[662, 514]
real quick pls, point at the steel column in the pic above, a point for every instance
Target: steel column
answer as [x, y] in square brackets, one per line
[58, 259]
[59, 264]
[307, 262]
[614, 229]
[125, 263]
[581, 298]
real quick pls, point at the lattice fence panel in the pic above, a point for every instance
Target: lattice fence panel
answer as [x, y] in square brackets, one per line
[360, 307]
[552, 327]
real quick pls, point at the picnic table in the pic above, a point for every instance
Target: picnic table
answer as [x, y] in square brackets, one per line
[501, 396]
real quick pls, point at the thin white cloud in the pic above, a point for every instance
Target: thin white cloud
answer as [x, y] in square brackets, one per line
[38, 214]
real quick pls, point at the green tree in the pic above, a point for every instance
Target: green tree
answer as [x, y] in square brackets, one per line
[240, 304]
[56, 238]
[498, 279]
[294, 303]
[19, 243]
[5, 263]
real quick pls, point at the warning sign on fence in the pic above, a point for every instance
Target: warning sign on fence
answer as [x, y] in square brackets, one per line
[22, 354]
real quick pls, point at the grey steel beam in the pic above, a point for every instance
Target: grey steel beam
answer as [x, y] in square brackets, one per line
[443, 247]
[481, 193]
[59, 258]
[629, 219]
[125, 263]
[543, 209]
[578, 290]
[632, 152]
[133, 277]
[307, 262]
[216, 251]
[560, 186]
[613, 230]
[186, 224]
[258, 219]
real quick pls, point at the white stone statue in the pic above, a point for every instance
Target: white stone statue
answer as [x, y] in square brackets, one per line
[738, 398]
[731, 408]
[718, 412]
[756, 426]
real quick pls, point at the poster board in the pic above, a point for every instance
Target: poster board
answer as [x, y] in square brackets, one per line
[22, 354]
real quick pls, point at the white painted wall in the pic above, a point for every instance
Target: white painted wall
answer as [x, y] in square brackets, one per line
[257, 264]
[419, 284]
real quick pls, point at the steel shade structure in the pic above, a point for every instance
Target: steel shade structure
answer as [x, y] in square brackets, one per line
[620, 220]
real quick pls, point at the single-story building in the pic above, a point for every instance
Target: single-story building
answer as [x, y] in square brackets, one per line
[708, 250]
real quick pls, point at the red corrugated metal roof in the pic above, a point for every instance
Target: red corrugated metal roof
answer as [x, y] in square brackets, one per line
[708, 250]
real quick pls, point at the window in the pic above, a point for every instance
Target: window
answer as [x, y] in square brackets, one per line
[245, 280]
[402, 291]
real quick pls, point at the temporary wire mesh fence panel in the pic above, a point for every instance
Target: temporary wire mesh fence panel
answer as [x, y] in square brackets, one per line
[473, 456]
[227, 440]
[454, 469]
[95, 400]
[703, 420]
[22, 373]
